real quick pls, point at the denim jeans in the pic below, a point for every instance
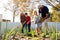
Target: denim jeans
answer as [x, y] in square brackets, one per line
[27, 26]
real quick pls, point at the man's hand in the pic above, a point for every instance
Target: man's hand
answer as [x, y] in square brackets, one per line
[42, 19]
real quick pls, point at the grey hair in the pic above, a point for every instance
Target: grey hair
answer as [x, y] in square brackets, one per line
[39, 6]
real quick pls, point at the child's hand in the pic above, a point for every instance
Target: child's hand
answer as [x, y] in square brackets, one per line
[27, 22]
[35, 22]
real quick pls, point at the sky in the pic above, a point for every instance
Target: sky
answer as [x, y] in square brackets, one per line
[8, 14]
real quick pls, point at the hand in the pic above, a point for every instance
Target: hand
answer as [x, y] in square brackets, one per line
[35, 22]
[27, 22]
[24, 22]
[42, 19]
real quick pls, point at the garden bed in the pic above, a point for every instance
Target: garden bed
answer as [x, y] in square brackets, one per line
[14, 32]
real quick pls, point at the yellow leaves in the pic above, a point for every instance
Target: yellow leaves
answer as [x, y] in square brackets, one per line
[16, 2]
[56, 13]
[53, 8]
[52, 0]
[31, 12]
[24, 6]
[56, 19]
[28, 0]
[58, 5]
[23, 0]
[56, 16]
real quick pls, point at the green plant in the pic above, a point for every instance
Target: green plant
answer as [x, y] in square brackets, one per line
[26, 31]
[19, 29]
[5, 34]
[5, 31]
[12, 31]
[53, 33]
[44, 32]
[34, 33]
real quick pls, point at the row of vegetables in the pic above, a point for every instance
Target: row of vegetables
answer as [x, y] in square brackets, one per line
[16, 34]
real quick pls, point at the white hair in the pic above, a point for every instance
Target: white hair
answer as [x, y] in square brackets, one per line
[39, 6]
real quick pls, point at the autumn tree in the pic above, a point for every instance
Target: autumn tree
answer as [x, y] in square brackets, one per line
[55, 14]
[13, 8]
[17, 6]
[26, 5]
[55, 4]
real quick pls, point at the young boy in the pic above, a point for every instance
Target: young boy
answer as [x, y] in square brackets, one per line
[28, 21]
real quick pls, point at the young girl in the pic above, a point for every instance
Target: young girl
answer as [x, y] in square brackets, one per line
[37, 21]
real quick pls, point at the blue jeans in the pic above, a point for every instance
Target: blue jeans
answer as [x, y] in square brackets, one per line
[27, 26]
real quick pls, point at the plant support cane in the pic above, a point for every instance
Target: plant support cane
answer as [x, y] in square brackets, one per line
[0, 28]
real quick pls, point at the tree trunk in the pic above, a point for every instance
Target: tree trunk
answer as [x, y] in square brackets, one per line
[14, 16]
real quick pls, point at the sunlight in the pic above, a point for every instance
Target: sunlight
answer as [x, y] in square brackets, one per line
[8, 14]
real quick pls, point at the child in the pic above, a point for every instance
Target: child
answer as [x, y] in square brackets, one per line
[28, 21]
[37, 21]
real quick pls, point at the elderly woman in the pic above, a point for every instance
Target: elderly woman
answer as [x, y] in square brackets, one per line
[22, 18]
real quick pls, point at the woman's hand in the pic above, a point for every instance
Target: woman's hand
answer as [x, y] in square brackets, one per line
[35, 22]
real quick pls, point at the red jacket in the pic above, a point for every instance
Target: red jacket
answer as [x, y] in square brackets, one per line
[28, 19]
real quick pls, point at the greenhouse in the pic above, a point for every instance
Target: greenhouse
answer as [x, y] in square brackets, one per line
[29, 19]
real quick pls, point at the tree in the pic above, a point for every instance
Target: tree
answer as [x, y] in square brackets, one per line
[16, 6]
[25, 5]
[53, 3]
[55, 9]
[13, 8]
[55, 15]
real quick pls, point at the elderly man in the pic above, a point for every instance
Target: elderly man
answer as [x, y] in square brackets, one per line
[44, 12]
